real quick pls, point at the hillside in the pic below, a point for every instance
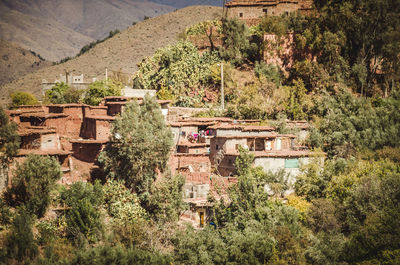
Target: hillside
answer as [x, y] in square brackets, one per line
[17, 62]
[60, 28]
[122, 52]
[185, 3]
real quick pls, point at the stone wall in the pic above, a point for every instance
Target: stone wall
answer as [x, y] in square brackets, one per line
[176, 113]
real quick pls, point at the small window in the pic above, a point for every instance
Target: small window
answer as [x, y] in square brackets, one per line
[292, 163]
[240, 14]
[265, 10]
[216, 147]
[286, 13]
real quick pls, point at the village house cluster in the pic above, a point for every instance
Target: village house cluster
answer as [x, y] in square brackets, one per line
[204, 149]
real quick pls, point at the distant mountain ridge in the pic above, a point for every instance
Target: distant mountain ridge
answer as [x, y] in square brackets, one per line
[59, 28]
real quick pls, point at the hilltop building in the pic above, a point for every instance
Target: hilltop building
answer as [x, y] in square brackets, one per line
[76, 81]
[252, 10]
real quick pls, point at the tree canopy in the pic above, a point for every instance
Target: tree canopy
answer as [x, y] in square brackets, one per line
[139, 147]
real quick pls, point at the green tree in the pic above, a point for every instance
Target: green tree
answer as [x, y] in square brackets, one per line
[9, 145]
[19, 98]
[295, 102]
[235, 41]
[371, 30]
[55, 95]
[139, 147]
[32, 182]
[175, 71]
[83, 216]
[20, 243]
[100, 89]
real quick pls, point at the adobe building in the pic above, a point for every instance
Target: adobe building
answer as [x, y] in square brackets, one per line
[252, 11]
[272, 151]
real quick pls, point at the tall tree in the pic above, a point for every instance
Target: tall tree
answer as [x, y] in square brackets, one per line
[372, 31]
[9, 145]
[139, 147]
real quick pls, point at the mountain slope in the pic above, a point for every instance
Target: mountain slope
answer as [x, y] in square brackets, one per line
[121, 52]
[59, 28]
[50, 39]
[16, 62]
[185, 3]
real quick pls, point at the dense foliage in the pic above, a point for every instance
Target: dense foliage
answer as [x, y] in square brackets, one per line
[62, 93]
[32, 182]
[175, 71]
[9, 139]
[100, 89]
[19, 98]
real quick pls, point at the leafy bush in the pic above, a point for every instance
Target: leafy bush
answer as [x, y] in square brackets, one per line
[270, 72]
[100, 89]
[83, 216]
[20, 243]
[122, 204]
[175, 70]
[19, 98]
[61, 93]
[10, 140]
[118, 255]
[32, 183]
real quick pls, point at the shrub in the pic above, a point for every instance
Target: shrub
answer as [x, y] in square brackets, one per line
[100, 89]
[22, 98]
[32, 183]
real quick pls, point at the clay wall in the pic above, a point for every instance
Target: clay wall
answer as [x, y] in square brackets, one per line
[245, 12]
[96, 110]
[114, 109]
[226, 167]
[50, 142]
[176, 113]
[89, 129]
[198, 163]
[86, 152]
[65, 126]
[103, 129]
[31, 141]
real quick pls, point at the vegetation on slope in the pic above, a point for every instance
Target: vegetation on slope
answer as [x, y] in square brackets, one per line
[343, 211]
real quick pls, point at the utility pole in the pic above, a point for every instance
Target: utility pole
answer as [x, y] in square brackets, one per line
[222, 87]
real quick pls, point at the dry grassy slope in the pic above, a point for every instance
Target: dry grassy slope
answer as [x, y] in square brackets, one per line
[16, 62]
[185, 3]
[60, 28]
[48, 38]
[124, 51]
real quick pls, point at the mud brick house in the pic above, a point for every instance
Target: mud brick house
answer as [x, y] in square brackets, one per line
[252, 10]
[272, 151]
